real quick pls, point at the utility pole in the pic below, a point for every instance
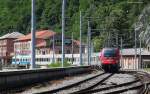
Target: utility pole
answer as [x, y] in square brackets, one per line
[15, 55]
[63, 29]
[33, 34]
[53, 49]
[117, 40]
[135, 36]
[89, 43]
[81, 38]
[140, 63]
[108, 41]
[72, 48]
[88, 39]
[135, 51]
[121, 52]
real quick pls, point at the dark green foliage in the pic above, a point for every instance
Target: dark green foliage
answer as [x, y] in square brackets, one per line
[115, 14]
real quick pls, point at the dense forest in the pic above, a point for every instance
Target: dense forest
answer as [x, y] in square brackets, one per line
[115, 18]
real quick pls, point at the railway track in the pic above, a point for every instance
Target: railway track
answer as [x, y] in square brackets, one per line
[91, 85]
[145, 79]
[72, 85]
[115, 89]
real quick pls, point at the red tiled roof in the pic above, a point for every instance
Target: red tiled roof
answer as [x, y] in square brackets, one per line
[43, 34]
[13, 35]
[42, 44]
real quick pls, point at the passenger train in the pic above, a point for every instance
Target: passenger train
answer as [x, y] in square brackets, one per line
[110, 59]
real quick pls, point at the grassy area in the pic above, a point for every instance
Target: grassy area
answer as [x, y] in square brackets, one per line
[59, 64]
[147, 69]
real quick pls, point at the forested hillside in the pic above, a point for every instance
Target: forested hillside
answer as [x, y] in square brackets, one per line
[115, 17]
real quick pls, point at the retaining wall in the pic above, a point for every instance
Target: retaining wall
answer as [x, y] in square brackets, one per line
[13, 79]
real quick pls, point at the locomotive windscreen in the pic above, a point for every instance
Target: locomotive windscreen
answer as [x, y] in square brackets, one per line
[109, 53]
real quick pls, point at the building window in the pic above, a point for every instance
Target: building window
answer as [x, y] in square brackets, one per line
[41, 60]
[36, 59]
[68, 51]
[43, 52]
[59, 59]
[46, 59]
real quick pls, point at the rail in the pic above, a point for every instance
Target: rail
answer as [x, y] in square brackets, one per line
[140, 84]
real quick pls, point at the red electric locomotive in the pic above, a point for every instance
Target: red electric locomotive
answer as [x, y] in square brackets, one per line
[110, 58]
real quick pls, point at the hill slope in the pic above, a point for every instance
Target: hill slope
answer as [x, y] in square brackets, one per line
[116, 16]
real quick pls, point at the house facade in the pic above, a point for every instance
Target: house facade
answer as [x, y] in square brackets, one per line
[7, 47]
[128, 60]
[47, 44]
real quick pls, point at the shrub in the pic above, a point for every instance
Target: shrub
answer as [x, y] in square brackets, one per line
[59, 64]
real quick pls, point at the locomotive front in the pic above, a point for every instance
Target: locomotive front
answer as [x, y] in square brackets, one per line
[110, 58]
